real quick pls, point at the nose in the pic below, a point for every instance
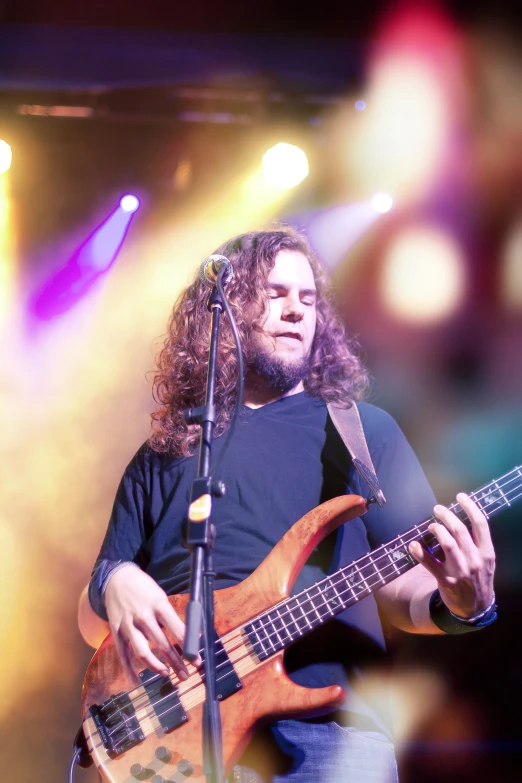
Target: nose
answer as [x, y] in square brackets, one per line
[293, 310]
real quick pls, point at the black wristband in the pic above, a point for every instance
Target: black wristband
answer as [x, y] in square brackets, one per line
[451, 624]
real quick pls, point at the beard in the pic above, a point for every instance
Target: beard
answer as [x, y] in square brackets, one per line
[282, 376]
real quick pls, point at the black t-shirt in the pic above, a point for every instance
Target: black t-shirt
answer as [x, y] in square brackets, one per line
[284, 459]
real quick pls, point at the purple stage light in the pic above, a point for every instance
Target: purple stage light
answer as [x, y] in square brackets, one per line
[129, 203]
[89, 262]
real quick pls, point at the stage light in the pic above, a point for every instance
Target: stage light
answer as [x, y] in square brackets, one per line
[423, 279]
[382, 203]
[360, 105]
[94, 257]
[285, 165]
[129, 203]
[6, 156]
[334, 231]
[511, 273]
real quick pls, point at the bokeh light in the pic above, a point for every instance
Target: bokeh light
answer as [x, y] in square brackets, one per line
[412, 104]
[423, 276]
[382, 202]
[7, 247]
[6, 156]
[511, 280]
[285, 165]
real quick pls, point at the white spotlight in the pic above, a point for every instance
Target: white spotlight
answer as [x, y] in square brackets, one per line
[129, 203]
[382, 203]
[285, 165]
[6, 156]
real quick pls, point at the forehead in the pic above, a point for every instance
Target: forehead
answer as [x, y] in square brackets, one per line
[292, 268]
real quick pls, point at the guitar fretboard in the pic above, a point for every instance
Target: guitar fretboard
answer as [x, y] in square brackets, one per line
[296, 616]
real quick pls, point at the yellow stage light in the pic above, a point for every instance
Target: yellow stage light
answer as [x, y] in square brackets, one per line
[423, 278]
[285, 165]
[6, 156]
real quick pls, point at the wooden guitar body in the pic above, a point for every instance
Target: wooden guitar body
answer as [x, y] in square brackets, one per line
[153, 732]
[264, 691]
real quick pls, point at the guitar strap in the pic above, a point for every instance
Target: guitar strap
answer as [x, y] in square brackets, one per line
[348, 424]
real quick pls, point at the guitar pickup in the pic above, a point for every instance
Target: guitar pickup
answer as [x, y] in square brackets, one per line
[117, 724]
[227, 681]
[164, 699]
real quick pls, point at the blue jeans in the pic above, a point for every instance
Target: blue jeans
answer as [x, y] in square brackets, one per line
[326, 752]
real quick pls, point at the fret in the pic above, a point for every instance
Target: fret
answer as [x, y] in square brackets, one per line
[314, 607]
[305, 616]
[363, 580]
[392, 560]
[398, 557]
[342, 603]
[506, 501]
[268, 640]
[358, 574]
[323, 594]
[263, 647]
[320, 594]
[282, 626]
[300, 614]
[298, 628]
[377, 570]
[350, 574]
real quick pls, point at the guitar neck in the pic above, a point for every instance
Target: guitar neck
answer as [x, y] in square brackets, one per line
[296, 616]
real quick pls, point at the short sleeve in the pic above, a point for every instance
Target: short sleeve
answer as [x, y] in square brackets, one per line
[409, 497]
[125, 537]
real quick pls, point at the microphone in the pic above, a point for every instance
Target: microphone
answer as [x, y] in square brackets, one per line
[210, 267]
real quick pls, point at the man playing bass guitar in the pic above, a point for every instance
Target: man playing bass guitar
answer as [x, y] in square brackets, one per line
[284, 459]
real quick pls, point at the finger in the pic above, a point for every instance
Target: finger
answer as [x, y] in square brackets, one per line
[458, 529]
[124, 656]
[152, 631]
[455, 558]
[479, 524]
[140, 647]
[426, 559]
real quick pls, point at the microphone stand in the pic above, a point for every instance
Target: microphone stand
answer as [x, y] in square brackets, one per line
[199, 539]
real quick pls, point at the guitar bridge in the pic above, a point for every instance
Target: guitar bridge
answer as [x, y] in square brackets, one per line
[117, 724]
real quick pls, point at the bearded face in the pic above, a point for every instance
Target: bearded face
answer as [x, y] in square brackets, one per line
[281, 346]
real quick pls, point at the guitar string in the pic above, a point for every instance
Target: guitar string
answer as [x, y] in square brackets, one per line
[196, 698]
[367, 590]
[369, 585]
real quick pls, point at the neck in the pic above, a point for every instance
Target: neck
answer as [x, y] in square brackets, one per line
[258, 392]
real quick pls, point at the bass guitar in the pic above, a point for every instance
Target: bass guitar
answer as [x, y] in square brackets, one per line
[153, 731]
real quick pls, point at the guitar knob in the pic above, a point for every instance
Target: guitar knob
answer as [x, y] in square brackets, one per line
[185, 767]
[137, 770]
[163, 754]
[157, 779]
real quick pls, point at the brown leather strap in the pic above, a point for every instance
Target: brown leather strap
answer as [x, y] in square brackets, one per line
[348, 423]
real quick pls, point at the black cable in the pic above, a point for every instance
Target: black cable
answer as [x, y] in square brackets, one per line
[240, 368]
[74, 761]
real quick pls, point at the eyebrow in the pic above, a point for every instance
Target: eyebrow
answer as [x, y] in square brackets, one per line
[284, 287]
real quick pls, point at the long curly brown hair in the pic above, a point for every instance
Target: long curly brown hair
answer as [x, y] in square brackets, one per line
[336, 373]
